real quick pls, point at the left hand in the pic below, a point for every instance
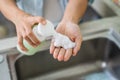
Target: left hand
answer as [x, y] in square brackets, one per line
[71, 30]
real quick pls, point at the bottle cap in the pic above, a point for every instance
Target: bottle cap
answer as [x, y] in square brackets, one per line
[46, 30]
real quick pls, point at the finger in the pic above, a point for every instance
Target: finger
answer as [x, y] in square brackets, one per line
[27, 36]
[61, 54]
[33, 38]
[68, 54]
[28, 32]
[78, 45]
[56, 51]
[30, 42]
[39, 19]
[20, 43]
[52, 47]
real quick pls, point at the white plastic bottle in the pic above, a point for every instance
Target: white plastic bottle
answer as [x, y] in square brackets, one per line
[41, 32]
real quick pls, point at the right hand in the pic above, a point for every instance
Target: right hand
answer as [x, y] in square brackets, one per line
[24, 24]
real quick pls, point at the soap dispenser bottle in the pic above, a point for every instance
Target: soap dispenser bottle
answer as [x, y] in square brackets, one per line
[42, 32]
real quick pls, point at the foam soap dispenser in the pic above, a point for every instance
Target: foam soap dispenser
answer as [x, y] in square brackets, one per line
[42, 32]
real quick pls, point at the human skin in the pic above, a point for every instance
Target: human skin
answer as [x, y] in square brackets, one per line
[68, 26]
[24, 23]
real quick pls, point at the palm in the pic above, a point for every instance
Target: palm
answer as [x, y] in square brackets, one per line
[70, 30]
[73, 32]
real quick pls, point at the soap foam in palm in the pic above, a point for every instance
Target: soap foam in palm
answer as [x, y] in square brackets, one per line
[60, 40]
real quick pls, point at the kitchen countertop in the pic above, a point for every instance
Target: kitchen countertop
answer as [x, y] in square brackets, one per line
[113, 6]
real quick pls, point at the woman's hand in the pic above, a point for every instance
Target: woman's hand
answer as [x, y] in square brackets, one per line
[24, 24]
[71, 30]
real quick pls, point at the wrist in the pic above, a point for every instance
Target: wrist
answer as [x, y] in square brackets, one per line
[70, 19]
[66, 21]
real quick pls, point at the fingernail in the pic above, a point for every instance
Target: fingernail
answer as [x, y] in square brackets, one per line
[65, 60]
[74, 54]
[50, 53]
[34, 46]
[60, 60]
[25, 50]
[44, 22]
[38, 43]
[54, 57]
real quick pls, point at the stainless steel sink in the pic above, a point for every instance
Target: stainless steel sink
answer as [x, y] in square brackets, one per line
[37, 67]
[98, 42]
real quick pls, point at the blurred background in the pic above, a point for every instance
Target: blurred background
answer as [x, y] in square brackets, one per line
[98, 59]
[100, 8]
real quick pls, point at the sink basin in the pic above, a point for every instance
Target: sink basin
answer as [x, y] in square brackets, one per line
[97, 43]
[42, 64]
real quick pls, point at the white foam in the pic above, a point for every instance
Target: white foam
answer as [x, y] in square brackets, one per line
[63, 41]
[59, 39]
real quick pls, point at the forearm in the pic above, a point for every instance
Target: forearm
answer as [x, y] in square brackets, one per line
[10, 9]
[75, 10]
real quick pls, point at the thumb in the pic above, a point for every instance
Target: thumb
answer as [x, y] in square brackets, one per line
[78, 42]
[39, 19]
